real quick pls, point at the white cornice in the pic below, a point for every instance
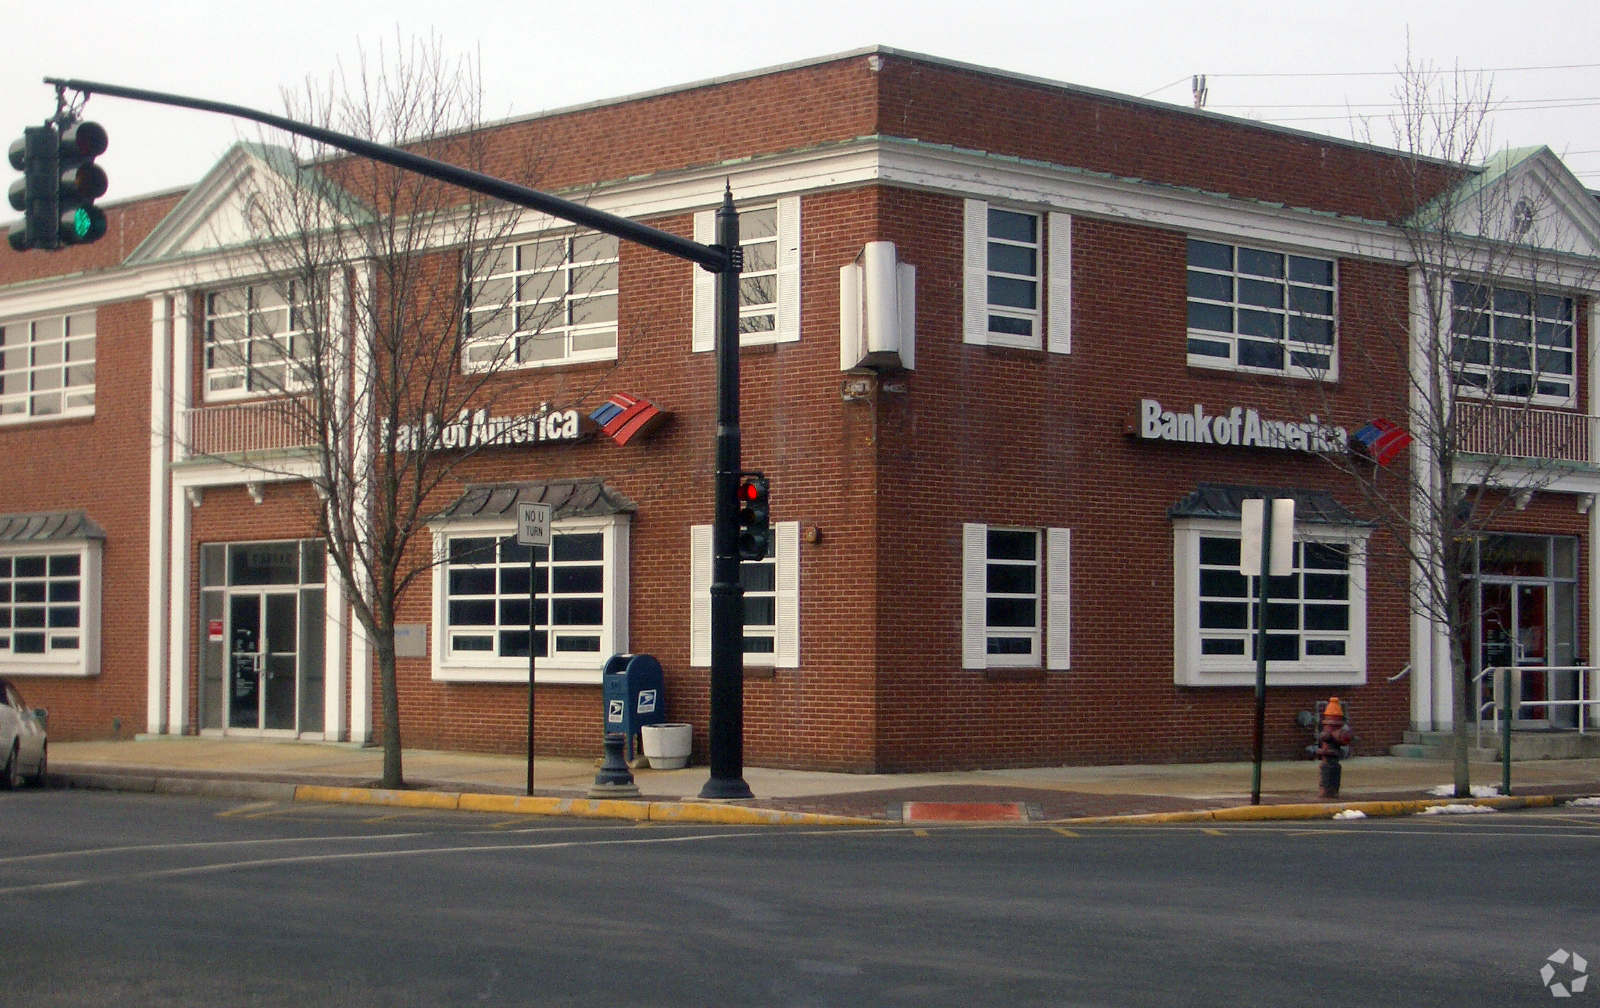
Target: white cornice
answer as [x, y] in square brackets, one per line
[861, 161]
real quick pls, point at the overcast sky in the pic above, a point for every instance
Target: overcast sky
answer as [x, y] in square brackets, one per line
[541, 55]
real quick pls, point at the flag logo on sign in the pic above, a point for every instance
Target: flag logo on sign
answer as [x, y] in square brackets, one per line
[1383, 440]
[625, 417]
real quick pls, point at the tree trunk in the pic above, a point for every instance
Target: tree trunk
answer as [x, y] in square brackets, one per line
[392, 776]
[1461, 707]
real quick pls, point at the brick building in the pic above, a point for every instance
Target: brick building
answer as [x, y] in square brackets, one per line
[1015, 350]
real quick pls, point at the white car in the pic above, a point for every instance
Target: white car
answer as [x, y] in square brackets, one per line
[22, 740]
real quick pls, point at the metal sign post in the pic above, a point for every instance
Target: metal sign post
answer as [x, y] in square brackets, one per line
[1266, 551]
[533, 530]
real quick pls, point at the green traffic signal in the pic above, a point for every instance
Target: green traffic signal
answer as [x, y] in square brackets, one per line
[59, 185]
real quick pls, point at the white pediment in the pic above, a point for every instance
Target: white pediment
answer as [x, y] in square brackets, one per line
[216, 215]
[1527, 198]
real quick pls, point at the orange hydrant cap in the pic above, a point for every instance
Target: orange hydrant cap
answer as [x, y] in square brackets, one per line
[1334, 708]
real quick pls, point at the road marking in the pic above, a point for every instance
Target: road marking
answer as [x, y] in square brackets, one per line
[919, 832]
[1212, 832]
[251, 807]
[55, 855]
[1063, 832]
[211, 869]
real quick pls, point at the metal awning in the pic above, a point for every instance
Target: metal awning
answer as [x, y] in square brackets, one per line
[1222, 500]
[48, 526]
[584, 498]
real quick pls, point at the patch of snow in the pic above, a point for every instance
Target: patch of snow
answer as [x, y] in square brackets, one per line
[1454, 809]
[1584, 801]
[1350, 813]
[1478, 790]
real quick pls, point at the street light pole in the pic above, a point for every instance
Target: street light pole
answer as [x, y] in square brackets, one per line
[726, 740]
[725, 259]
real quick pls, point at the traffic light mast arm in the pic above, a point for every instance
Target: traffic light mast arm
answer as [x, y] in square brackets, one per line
[711, 257]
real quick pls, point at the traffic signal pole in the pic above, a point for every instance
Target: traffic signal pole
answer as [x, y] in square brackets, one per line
[726, 730]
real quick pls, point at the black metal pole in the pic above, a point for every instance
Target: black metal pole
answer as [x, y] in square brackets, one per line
[1261, 649]
[533, 645]
[708, 256]
[727, 592]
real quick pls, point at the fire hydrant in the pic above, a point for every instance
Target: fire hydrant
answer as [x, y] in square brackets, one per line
[1333, 744]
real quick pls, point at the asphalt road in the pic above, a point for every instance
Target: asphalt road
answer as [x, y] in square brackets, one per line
[124, 899]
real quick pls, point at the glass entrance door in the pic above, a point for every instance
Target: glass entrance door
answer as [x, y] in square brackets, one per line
[1514, 631]
[263, 660]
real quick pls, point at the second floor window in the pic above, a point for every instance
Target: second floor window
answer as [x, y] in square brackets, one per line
[47, 367]
[1258, 310]
[256, 340]
[1513, 344]
[545, 302]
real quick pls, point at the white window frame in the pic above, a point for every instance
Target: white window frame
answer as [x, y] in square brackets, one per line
[53, 366]
[1287, 312]
[1052, 316]
[85, 659]
[1052, 631]
[284, 342]
[590, 269]
[786, 576]
[558, 667]
[1460, 367]
[1191, 668]
[786, 328]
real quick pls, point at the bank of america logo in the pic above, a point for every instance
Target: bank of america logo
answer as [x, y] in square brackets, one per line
[625, 417]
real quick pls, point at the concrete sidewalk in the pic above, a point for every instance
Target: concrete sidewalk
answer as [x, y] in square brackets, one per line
[1046, 792]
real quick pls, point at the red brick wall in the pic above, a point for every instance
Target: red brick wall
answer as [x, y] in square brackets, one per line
[99, 464]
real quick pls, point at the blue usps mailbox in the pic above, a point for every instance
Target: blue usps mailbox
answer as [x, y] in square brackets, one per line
[630, 686]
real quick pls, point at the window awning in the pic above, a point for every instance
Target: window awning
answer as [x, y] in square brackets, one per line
[48, 526]
[585, 498]
[1222, 500]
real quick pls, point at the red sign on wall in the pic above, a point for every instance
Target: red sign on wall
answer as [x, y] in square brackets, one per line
[214, 629]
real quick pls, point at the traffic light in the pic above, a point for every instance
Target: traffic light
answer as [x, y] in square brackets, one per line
[59, 185]
[755, 526]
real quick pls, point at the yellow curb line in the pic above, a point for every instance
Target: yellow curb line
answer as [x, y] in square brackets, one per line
[1259, 813]
[604, 808]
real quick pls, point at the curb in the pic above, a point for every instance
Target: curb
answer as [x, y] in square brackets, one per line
[589, 808]
[608, 808]
[1267, 813]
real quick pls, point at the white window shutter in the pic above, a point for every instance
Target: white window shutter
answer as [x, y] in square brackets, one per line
[787, 550]
[700, 595]
[974, 584]
[1058, 288]
[705, 287]
[975, 266]
[788, 269]
[1058, 598]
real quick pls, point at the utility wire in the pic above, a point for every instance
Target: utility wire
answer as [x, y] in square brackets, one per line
[1380, 73]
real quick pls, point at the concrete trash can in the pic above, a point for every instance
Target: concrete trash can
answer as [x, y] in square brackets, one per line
[667, 746]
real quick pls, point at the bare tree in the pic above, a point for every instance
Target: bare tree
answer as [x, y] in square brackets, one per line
[1483, 335]
[372, 321]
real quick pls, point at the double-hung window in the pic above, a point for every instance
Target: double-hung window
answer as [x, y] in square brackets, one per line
[49, 596]
[551, 301]
[47, 367]
[1018, 277]
[1513, 344]
[771, 599]
[257, 340]
[769, 283]
[1259, 310]
[1016, 597]
[1315, 616]
[577, 600]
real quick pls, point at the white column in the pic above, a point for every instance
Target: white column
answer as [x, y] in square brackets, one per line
[1421, 458]
[1594, 509]
[360, 405]
[336, 623]
[178, 550]
[160, 495]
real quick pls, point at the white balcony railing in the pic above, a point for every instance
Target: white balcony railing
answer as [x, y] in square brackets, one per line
[237, 428]
[1517, 432]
